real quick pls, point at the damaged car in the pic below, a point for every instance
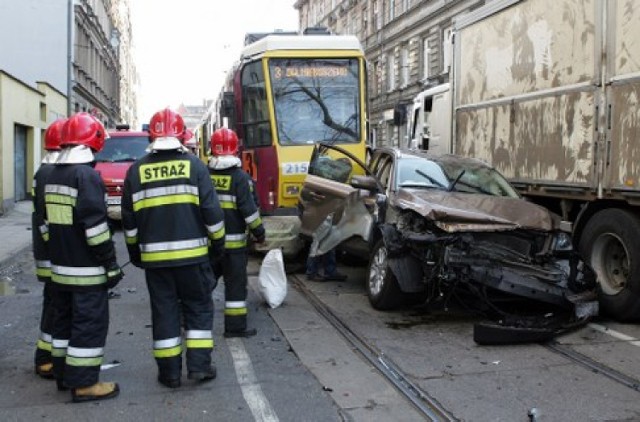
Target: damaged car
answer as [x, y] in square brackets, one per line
[435, 228]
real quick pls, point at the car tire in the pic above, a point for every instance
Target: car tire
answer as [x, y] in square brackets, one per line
[610, 243]
[382, 286]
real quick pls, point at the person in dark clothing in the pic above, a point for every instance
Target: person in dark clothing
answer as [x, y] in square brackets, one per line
[326, 262]
[83, 261]
[235, 190]
[172, 223]
[40, 234]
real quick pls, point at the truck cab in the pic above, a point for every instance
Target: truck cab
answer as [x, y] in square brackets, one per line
[430, 120]
[121, 149]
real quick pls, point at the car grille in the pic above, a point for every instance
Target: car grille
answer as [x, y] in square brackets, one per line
[525, 244]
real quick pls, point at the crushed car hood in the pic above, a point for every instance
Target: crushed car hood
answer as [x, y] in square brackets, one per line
[456, 211]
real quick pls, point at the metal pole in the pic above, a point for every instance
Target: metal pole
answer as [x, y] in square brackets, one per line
[70, 21]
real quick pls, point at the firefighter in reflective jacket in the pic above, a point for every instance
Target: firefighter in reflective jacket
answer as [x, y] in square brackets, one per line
[235, 191]
[172, 219]
[40, 235]
[83, 261]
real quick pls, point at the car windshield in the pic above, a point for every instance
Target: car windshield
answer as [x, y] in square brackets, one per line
[458, 176]
[121, 149]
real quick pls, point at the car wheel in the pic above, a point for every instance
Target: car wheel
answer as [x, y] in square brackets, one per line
[610, 243]
[382, 286]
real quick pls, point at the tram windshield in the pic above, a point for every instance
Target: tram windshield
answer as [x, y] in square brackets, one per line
[316, 100]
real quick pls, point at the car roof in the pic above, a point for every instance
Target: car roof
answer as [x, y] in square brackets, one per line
[440, 158]
[125, 133]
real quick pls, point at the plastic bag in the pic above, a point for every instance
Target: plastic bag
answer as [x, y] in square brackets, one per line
[273, 279]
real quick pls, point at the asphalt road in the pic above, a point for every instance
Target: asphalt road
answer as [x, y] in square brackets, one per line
[299, 368]
[264, 378]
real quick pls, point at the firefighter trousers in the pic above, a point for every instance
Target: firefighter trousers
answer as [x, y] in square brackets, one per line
[80, 322]
[235, 291]
[181, 294]
[43, 346]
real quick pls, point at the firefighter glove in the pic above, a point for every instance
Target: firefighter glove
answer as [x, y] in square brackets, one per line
[114, 274]
[134, 255]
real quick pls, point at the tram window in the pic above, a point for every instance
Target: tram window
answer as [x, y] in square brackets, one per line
[254, 106]
[316, 99]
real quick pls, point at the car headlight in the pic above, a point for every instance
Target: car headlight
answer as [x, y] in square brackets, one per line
[562, 242]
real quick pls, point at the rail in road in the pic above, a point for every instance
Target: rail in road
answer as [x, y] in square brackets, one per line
[428, 406]
[426, 403]
[595, 366]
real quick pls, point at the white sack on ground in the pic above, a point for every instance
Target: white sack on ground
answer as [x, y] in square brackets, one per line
[273, 279]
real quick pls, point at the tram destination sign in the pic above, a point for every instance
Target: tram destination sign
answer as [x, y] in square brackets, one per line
[314, 71]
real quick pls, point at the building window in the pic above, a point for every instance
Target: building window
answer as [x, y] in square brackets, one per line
[377, 19]
[447, 49]
[426, 58]
[377, 73]
[391, 72]
[354, 22]
[404, 67]
[365, 29]
[43, 112]
[392, 10]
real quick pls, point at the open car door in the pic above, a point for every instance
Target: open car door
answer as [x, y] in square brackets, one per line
[333, 199]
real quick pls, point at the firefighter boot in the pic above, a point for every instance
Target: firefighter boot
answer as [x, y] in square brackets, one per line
[97, 391]
[169, 382]
[45, 370]
[249, 332]
[203, 376]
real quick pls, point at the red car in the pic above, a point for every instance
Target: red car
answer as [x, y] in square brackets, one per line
[121, 149]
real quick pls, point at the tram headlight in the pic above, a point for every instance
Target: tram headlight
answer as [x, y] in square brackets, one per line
[291, 190]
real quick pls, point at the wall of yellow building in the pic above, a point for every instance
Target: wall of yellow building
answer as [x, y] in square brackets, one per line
[33, 108]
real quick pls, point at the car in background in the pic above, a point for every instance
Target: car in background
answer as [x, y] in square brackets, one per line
[439, 228]
[121, 149]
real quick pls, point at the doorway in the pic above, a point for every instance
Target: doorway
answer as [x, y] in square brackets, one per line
[20, 163]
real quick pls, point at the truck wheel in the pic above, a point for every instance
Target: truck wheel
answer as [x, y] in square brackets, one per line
[382, 286]
[610, 243]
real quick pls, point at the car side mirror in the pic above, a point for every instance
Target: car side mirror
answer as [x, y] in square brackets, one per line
[364, 182]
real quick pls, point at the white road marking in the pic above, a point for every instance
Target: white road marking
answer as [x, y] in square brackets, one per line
[606, 330]
[258, 403]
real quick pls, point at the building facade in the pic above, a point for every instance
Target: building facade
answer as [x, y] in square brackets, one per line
[128, 79]
[41, 79]
[404, 42]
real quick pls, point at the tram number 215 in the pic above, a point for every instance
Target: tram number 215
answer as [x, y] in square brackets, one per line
[295, 168]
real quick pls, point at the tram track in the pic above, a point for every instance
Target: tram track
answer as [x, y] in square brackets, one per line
[428, 406]
[425, 404]
[593, 365]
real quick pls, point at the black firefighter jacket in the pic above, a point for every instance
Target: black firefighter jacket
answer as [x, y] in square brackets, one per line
[170, 211]
[235, 191]
[80, 244]
[39, 227]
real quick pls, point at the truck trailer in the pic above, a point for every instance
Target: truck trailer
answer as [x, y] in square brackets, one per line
[547, 91]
